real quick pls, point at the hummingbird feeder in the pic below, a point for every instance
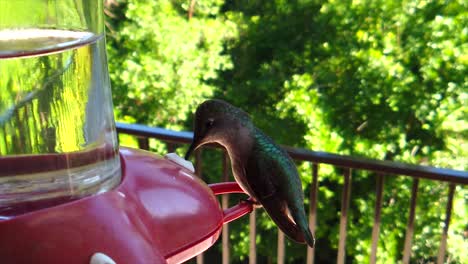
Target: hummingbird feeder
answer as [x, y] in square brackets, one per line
[68, 192]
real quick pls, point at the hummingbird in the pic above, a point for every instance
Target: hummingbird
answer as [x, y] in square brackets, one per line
[261, 168]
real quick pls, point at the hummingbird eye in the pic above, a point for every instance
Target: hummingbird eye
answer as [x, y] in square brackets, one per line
[209, 123]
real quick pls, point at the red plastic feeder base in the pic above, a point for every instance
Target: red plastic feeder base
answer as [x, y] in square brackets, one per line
[160, 213]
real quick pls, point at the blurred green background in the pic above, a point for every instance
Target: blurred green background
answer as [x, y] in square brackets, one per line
[379, 79]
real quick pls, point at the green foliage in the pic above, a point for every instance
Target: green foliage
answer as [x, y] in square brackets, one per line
[382, 79]
[162, 65]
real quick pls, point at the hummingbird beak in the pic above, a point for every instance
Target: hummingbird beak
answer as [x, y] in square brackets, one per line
[200, 135]
[195, 144]
[189, 151]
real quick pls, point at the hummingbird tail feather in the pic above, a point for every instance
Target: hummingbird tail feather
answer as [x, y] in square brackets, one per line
[309, 238]
[279, 215]
[301, 220]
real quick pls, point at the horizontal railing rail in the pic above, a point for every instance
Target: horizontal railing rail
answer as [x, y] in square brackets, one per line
[348, 163]
[382, 166]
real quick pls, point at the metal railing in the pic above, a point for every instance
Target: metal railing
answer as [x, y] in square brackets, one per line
[347, 163]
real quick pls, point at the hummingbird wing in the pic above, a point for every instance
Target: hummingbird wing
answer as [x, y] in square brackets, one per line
[265, 173]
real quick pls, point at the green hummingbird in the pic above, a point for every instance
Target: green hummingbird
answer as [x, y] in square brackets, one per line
[262, 169]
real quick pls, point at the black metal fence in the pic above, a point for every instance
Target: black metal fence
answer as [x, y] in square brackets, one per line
[347, 163]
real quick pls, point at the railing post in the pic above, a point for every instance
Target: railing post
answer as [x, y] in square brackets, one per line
[377, 212]
[344, 216]
[410, 226]
[171, 147]
[224, 201]
[252, 236]
[143, 143]
[198, 171]
[281, 249]
[313, 210]
[448, 214]
[198, 163]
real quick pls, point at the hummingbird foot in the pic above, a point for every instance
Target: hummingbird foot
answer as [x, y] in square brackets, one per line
[252, 202]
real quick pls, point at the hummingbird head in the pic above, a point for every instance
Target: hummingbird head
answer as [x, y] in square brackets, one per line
[215, 120]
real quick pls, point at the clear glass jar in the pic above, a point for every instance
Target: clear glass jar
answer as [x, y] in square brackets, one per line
[57, 132]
